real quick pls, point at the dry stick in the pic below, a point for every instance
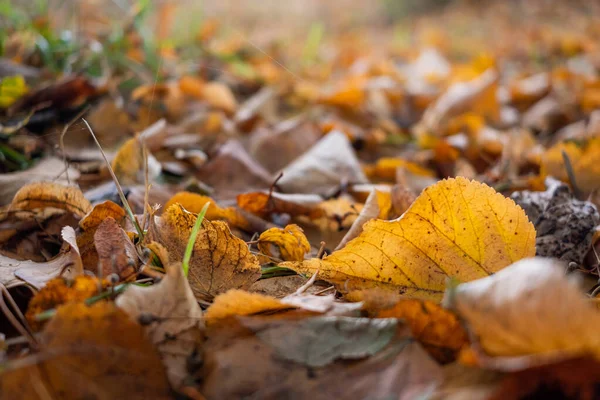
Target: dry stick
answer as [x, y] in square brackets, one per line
[271, 206]
[20, 327]
[119, 188]
[571, 175]
[61, 140]
[324, 290]
[146, 183]
[321, 251]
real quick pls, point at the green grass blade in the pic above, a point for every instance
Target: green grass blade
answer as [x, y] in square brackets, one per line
[190, 245]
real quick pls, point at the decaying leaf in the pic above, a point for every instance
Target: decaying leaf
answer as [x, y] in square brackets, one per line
[436, 328]
[88, 352]
[529, 308]
[89, 225]
[321, 170]
[240, 303]
[14, 272]
[290, 241]
[59, 291]
[456, 228]
[175, 327]
[400, 370]
[193, 202]
[116, 252]
[264, 204]
[565, 226]
[220, 261]
[47, 194]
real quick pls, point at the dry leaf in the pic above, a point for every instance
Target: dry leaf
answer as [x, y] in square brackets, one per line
[220, 261]
[378, 205]
[219, 96]
[240, 303]
[176, 327]
[47, 194]
[194, 202]
[116, 252]
[456, 228]
[321, 170]
[401, 370]
[264, 204]
[436, 328]
[290, 241]
[584, 159]
[45, 170]
[565, 226]
[88, 227]
[88, 352]
[15, 272]
[529, 308]
[128, 163]
[478, 95]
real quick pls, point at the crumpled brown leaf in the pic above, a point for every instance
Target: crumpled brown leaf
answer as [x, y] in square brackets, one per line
[88, 352]
[40, 195]
[116, 252]
[220, 261]
[175, 327]
[401, 370]
[565, 226]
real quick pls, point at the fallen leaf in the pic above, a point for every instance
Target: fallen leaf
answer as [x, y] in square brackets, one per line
[565, 226]
[378, 205]
[290, 241]
[400, 370]
[11, 89]
[242, 303]
[584, 160]
[45, 170]
[176, 327]
[47, 194]
[478, 95]
[116, 252]
[265, 204]
[437, 329]
[59, 291]
[220, 261]
[456, 228]
[529, 308]
[16, 272]
[194, 202]
[88, 352]
[321, 170]
[219, 96]
[89, 225]
[128, 163]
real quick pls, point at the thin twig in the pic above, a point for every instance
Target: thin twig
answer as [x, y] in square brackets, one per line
[119, 188]
[321, 251]
[61, 140]
[571, 174]
[308, 284]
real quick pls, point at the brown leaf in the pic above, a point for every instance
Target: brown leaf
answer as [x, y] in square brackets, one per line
[47, 194]
[400, 370]
[220, 261]
[88, 352]
[116, 252]
[176, 327]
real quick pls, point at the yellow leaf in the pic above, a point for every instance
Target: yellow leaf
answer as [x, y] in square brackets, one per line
[220, 261]
[585, 161]
[240, 302]
[291, 242]
[128, 163]
[41, 195]
[455, 228]
[11, 89]
[385, 169]
[219, 96]
[194, 202]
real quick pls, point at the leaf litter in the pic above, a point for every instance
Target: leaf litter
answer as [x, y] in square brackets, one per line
[354, 215]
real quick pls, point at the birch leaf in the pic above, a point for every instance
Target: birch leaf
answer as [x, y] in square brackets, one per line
[456, 228]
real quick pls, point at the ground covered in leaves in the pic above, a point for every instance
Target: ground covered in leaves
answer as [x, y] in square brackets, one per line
[406, 211]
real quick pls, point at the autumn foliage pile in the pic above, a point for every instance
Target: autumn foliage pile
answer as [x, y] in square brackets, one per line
[399, 219]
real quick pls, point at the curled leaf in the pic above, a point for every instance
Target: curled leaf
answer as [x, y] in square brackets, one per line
[290, 241]
[47, 194]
